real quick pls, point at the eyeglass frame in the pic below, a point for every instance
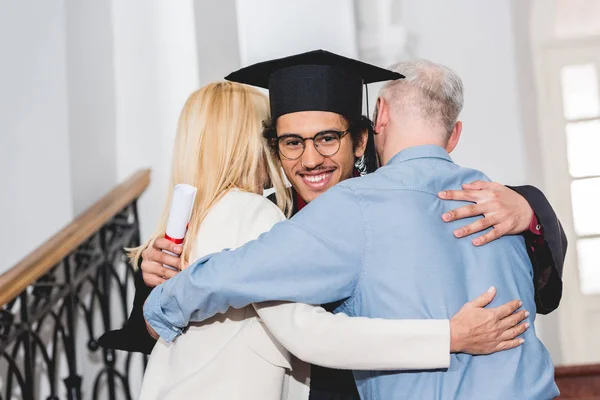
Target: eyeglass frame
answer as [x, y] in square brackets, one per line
[340, 135]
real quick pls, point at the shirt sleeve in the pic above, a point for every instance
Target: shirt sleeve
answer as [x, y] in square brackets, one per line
[338, 341]
[316, 257]
[536, 232]
[548, 254]
[534, 226]
[134, 336]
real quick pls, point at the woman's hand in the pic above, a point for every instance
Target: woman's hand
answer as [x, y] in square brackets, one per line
[503, 208]
[478, 330]
[153, 271]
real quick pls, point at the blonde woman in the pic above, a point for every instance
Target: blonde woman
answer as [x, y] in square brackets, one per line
[247, 353]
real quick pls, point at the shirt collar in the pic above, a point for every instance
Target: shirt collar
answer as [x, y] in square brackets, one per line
[424, 151]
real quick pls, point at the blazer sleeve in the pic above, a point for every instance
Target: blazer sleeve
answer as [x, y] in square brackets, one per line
[338, 341]
[134, 336]
[547, 259]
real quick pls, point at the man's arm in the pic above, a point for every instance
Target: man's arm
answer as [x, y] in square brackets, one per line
[316, 257]
[547, 255]
[133, 336]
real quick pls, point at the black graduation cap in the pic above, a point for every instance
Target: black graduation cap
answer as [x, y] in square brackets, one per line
[313, 81]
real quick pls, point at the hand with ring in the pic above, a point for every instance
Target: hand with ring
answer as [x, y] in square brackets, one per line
[502, 208]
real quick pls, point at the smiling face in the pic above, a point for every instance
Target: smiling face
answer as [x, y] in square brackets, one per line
[312, 173]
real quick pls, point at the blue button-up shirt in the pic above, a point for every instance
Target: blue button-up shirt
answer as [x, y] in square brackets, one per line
[378, 243]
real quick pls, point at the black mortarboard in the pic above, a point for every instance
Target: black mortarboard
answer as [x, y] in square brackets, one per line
[313, 81]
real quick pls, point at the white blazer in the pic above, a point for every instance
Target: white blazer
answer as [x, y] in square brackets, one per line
[255, 352]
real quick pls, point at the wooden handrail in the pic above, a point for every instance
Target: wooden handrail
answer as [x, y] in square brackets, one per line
[567, 371]
[59, 246]
[578, 381]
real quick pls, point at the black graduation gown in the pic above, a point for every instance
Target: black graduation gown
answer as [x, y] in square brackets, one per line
[331, 384]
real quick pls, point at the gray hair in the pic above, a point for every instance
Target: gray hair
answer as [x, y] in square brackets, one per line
[438, 95]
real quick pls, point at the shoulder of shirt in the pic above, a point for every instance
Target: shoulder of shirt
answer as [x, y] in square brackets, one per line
[410, 179]
[343, 191]
[349, 185]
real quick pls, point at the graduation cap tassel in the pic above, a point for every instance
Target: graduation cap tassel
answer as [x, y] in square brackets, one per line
[367, 94]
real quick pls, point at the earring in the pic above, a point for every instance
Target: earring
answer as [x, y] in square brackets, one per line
[361, 165]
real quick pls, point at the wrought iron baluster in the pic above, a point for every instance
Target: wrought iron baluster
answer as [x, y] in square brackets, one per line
[104, 278]
[73, 381]
[41, 329]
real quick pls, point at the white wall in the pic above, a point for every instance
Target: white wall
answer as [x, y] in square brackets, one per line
[91, 93]
[475, 38]
[522, 11]
[91, 101]
[156, 69]
[35, 197]
[216, 39]
[272, 28]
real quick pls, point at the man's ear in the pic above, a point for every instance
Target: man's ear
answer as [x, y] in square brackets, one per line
[381, 115]
[454, 136]
[360, 149]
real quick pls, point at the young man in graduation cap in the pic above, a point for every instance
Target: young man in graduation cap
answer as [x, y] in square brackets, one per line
[357, 246]
[321, 137]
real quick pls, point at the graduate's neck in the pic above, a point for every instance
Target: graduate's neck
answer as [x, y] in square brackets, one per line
[412, 133]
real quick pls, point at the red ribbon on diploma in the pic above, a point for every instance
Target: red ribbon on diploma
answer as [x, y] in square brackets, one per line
[176, 241]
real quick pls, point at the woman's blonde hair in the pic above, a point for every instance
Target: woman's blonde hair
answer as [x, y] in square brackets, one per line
[219, 146]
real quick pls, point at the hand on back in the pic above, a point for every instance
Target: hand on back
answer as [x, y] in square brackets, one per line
[502, 208]
[478, 330]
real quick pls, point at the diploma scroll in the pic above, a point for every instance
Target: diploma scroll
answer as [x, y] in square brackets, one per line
[179, 214]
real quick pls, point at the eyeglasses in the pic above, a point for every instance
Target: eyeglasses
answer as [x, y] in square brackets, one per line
[327, 143]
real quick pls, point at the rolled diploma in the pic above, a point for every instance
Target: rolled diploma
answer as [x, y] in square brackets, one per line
[179, 214]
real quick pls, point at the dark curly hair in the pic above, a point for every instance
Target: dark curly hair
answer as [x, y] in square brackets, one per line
[365, 165]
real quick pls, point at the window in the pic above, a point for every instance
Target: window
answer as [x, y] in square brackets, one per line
[581, 110]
